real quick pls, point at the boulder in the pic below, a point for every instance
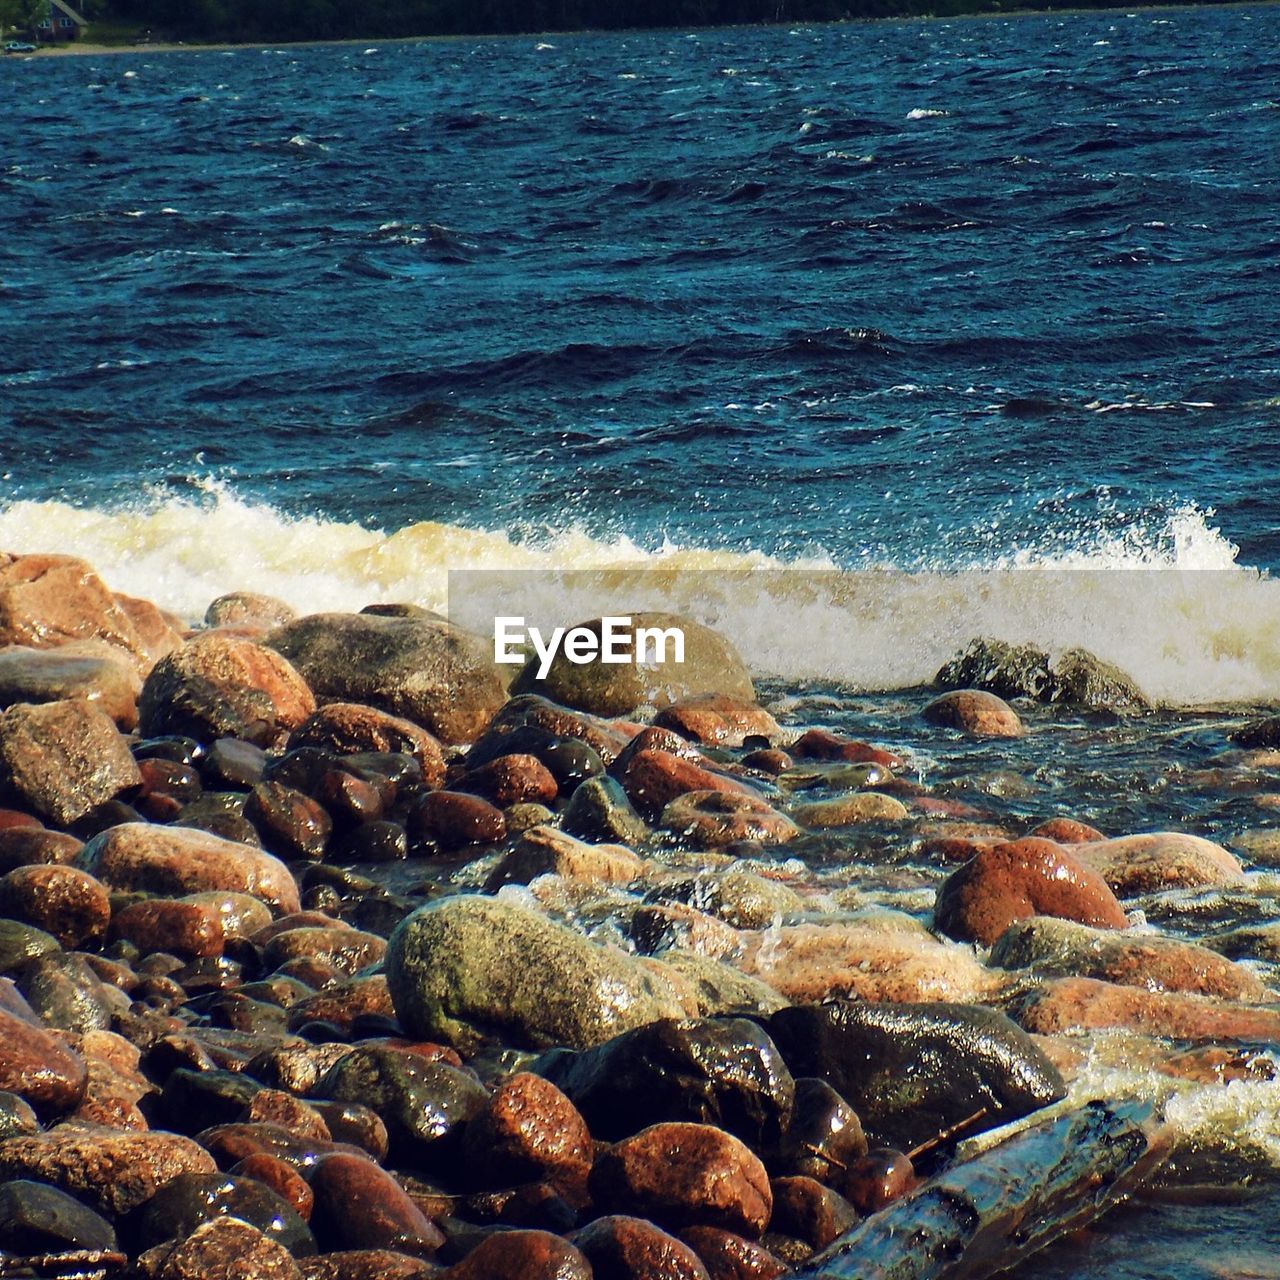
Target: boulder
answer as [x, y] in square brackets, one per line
[544, 850]
[714, 819]
[97, 674]
[422, 669]
[466, 968]
[35, 1065]
[1134, 865]
[718, 720]
[975, 712]
[348, 728]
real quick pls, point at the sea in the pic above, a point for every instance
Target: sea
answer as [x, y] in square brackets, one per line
[971, 322]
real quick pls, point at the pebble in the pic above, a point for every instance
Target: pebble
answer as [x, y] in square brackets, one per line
[633, 1249]
[68, 903]
[975, 712]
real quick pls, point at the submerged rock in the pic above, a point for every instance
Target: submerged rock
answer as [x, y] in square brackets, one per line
[718, 720]
[975, 712]
[714, 819]
[36, 1066]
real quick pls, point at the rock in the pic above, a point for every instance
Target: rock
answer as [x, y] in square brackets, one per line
[189, 929]
[879, 1178]
[857, 960]
[672, 926]
[682, 1175]
[729, 1257]
[65, 993]
[424, 1104]
[599, 810]
[1134, 865]
[68, 903]
[972, 711]
[1250, 942]
[238, 608]
[346, 949]
[360, 1206]
[171, 860]
[849, 810]
[714, 819]
[1066, 831]
[1080, 679]
[64, 758]
[242, 915]
[349, 728]
[1059, 948]
[822, 744]
[234, 765]
[367, 1264]
[112, 1171]
[465, 968]
[195, 1100]
[1008, 670]
[222, 1249]
[33, 846]
[1259, 734]
[35, 1066]
[653, 779]
[911, 1071]
[719, 1071]
[188, 1201]
[288, 820]
[17, 1117]
[1073, 1004]
[718, 720]
[422, 669]
[20, 943]
[229, 1144]
[721, 989]
[342, 1004]
[522, 1255]
[546, 851]
[39, 1219]
[1023, 878]
[224, 686]
[633, 1249]
[355, 1124]
[104, 678]
[710, 665]
[453, 820]
[824, 1137]
[738, 896]
[551, 722]
[512, 779]
[528, 1131]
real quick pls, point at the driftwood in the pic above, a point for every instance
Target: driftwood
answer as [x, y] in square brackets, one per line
[989, 1213]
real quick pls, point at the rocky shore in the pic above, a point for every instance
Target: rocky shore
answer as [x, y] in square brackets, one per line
[327, 953]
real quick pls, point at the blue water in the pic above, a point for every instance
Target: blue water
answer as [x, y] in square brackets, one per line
[917, 292]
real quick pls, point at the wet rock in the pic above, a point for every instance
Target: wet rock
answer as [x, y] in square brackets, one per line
[975, 712]
[346, 949]
[719, 988]
[600, 810]
[352, 800]
[570, 762]
[112, 1171]
[238, 608]
[1259, 734]
[275, 1106]
[624, 1248]
[66, 902]
[367, 1264]
[1249, 942]
[343, 1004]
[166, 787]
[653, 779]
[822, 744]
[530, 712]
[814, 1213]
[425, 670]
[219, 685]
[220, 814]
[1066, 831]
[104, 679]
[229, 1144]
[737, 896]
[295, 1067]
[425, 1105]
[768, 760]
[137, 856]
[193, 1101]
[288, 820]
[718, 720]
[36, 1067]
[729, 1257]
[720, 1071]
[188, 1201]
[512, 779]
[355, 1124]
[1081, 679]
[1140, 864]
[280, 1178]
[20, 943]
[33, 846]
[1058, 948]
[546, 851]
[17, 1117]
[849, 810]
[1023, 878]
[64, 991]
[1072, 1004]
[824, 1136]
[188, 929]
[39, 1219]
[378, 841]
[528, 1131]
[349, 728]
[912, 1070]
[714, 819]
[465, 968]
[1008, 670]
[222, 1249]
[682, 1175]
[242, 915]
[660, 926]
[64, 758]
[360, 1206]
[522, 1255]
[879, 1178]
[234, 765]
[453, 820]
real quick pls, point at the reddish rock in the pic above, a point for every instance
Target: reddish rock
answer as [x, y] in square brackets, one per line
[347, 949]
[159, 631]
[356, 1125]
[528, 1132]
[167, 786]
[655, 738]
[281, 1178]
[17, 820]
[975, 712]
[188, 929]
[957, 848]
[351, 800]
[849, 810]
[822, 744]
[729, 1257]
[34, 846]
[105, 678]
[35, 1065]
[294, 920]
[453, 820]
[513, 779]
[605, 739]
[1133, 865]
[718, 719]
[224, 1248]
[180, 860]
[343, 1002]
[623, 1248]
[1066, 831]
[714, 819]
[64, 758]
[288, 820]
[768, 760]
[879, 1178]
[239, 607]
[224, 686]
[360, 1206]
[1022, 878]
[367, 1264]
[685, 1175]
[804, 1208]
[1073, 1004]
[521, 1255]
[350, 728]
[64, 901]
[275, 1106]
[545, 850]
[228, 1144]
[653, 779]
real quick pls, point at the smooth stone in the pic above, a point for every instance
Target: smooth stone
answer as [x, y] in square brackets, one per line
[822, 744]
[544, 850]
[39, 1219]
[975, 712]
[360, 1206]
[714, 819]
[224, 1248]
[1140, 864]
[850, 810]
[20, 943]
[737, 896]
[231, 1143]
[288, 820]
[718, 720]
[1066, 831]
[719, 988]
[106, 680]
[344, 1002]
[367, 1264]
[66, 902]
[652, 779]
[521, 1255]
[34, 846]
[242, 914]
[1249, 942]
[62, 988]
[17, 1116]
[454, 819]
[233, 765]
[663, 926]
[727, 1256]
[599, 810]
[350, 728]
[236, 608]
[355, 1124]
[193, 1101]
[633, 1249]
[511, 779]
[824, 1137]
[36, 1067]
[346, 949]
[531, 712]
[188, 929]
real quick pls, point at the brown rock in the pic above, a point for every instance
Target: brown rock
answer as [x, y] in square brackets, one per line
[879, 1178]
[512, 779]
[822, 744]
[975, 712]
[729, 1257]
[367, 1264]
[1067, 831]
[528, 1132]
[64, 758]
[101, 676]
[360, 1206]
[653, 779]
[1023, 878]
[1073, 1004]
[347, 949]
[160, 631]
[111, 1170]
[64, 901]
[1133, 865]
[34, 846]
[343, 1002]
[350, 728]
[717, 719]
[224, 686]
[275, 1106]
[188, 929]
[545, 850]
[179, 860]
[804, 1208]
[685, 1175]
[659, 926]
[279, 1177]
[239, 607]
[714, 819]
[768, 760]
[224, 1248]
[453, 820]
[540, 713]
[521, 1255]
[850, 810]
[288, 820]
[228, 1144]
[33, 1064]
[633, 1249]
